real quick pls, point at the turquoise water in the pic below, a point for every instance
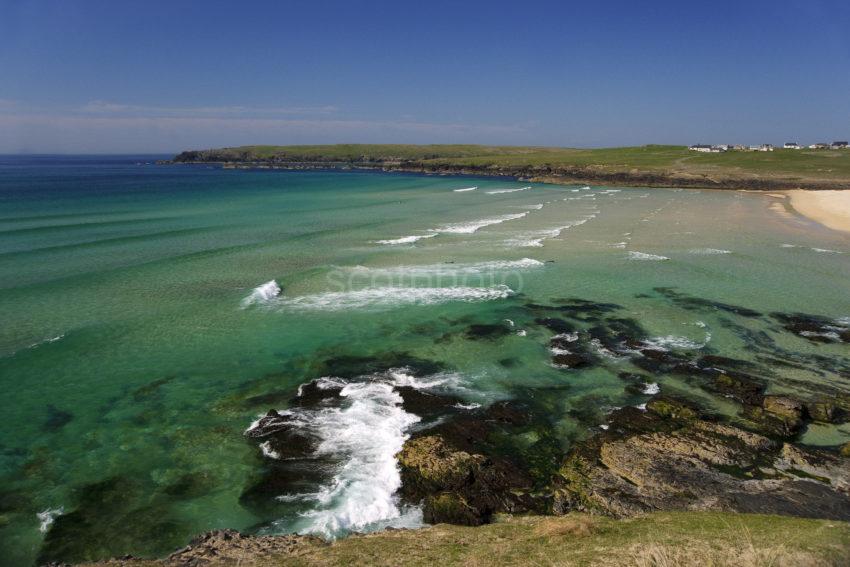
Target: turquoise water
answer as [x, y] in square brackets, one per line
[136, 347]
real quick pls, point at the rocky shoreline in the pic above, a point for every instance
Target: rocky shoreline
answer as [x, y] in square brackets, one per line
[537, 174]
[663, 452]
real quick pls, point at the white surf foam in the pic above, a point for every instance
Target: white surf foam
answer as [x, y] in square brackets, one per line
[389, 297]
[672, 341]
[262, 294]
[536, 238]
[48, 341]
[405, 239]
[47, 517]
[472, 226]
[464, 190]
[447, 269]
[635, 255]
[651, 389]
[708, 251]
[500, 191]
[366, 432]
[267, 450]
[536, 207]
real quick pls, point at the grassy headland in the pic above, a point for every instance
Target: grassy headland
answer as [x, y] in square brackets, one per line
[650, 166]
[683, 539]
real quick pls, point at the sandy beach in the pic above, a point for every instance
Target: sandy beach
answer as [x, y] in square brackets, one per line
[830, 208]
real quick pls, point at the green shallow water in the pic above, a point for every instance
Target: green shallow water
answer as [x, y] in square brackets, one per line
[131, 366]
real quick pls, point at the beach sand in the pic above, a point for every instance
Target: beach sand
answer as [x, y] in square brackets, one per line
[830, 208]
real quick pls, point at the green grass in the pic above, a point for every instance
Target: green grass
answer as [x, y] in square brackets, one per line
[789, 164]
[681, 539]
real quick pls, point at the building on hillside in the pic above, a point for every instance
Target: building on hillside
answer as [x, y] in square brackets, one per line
[839, 145]
[700, 148]
[705, 148]
[792, 146]
[762, 148]
[819, 146]
[739, 147]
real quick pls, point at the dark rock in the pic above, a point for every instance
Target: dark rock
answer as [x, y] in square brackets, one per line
[700, 304]
[458, 486]
[487, 332]
[57, 418]
[826, 411]
[452, 508]
[556, 325]
[351, 366]
[814, 327]
[109, 518]
[746, 389]
[426, 404]
[191, 485]
[670, 459]
[571, 360]
[148, 390]
[283, 434]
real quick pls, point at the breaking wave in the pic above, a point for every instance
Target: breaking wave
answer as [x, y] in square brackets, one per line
[448, 269]
[472, 226]
[708, 251]
[465, 189]
[672, 341]
[262, 294]
[634, 255]
[405, 239]
[390, 297]
[361, 429]
[500, 191]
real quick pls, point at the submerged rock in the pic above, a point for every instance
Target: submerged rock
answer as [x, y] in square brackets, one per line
[487, 332]
[814, 327]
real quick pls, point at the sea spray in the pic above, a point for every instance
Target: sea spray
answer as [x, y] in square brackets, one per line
[262, 294]
[358, 431]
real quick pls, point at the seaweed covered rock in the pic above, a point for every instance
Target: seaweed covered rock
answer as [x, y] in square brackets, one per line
[456, 486]
[672, 459]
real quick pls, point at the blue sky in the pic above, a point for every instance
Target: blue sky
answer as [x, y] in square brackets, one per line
[107, 76]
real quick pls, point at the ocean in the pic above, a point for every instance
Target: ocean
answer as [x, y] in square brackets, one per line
[150, 314]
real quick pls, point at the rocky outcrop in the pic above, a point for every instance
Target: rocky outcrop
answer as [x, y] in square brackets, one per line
[224, 546]
[457, 487]
[669, 458]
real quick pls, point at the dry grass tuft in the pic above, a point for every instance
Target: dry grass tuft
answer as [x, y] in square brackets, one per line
[565, 526]
[702, 555]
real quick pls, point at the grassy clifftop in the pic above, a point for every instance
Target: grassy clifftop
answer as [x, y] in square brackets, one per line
[683, 539]
[652, 165]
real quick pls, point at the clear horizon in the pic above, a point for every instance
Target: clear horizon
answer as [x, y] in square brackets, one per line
[102, 78]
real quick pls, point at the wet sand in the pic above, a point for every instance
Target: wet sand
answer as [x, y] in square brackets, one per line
[830, 208]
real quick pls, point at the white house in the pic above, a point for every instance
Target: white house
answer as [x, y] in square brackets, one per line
[818, 146]
[765, 148]
[792, 146]
[839, 145]
[708, 149]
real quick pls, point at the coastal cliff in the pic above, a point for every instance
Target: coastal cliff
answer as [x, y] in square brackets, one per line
[644, 166]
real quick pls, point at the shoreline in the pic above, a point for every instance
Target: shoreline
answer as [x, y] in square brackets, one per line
[555, 176]
[829, 208]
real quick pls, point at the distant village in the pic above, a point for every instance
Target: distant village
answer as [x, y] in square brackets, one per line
[717, 148]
